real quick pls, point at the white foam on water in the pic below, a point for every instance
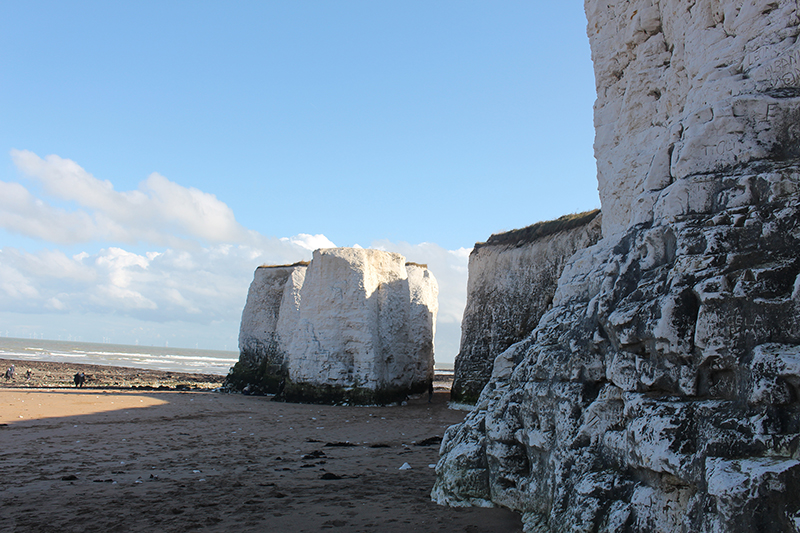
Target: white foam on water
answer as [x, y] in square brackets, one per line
[156, 358]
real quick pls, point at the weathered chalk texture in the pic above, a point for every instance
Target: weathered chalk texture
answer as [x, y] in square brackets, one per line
[661, 392]
[512, 280]
[352, 325]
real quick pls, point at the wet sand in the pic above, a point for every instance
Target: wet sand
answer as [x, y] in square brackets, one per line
[122, 459]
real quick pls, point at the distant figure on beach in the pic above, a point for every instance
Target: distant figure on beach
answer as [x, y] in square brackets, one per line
[80, 379]
[10, 372]
[28, 374]
[430, 391]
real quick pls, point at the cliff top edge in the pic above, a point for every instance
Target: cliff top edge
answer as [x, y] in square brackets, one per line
[534, 232]
[299, 263]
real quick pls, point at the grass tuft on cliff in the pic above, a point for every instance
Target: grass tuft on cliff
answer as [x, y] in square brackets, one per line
[534, 232]
[299, 263]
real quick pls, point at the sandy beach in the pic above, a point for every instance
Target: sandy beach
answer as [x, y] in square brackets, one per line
[116, 458]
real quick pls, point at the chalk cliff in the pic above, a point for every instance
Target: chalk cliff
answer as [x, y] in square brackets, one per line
[512, 280]
[661, 392]
[352, 325]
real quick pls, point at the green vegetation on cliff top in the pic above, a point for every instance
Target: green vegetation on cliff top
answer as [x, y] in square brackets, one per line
[519, 237]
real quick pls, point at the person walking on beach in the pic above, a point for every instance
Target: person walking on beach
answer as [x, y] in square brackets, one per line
[10, 372]
[79, 379]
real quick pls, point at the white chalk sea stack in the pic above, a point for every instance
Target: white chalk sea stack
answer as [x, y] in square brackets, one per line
[661, 392]
[352, 325]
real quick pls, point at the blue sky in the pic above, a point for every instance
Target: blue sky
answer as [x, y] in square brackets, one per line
[152, 154]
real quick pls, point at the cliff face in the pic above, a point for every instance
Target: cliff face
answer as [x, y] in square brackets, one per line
[685, 89]
[353, 325]
[512, 280]
[661, 391]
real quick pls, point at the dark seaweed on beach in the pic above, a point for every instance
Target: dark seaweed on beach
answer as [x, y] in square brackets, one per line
[430, 441]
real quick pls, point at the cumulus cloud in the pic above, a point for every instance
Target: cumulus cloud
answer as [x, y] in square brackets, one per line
[160, 212]
[199, 273]
[22, 213]
[205, 285]
[202, 286]
[310, 242]
[15, 285]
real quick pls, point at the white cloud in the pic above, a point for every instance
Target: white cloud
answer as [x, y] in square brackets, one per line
[310, 242]
[54, 304]
[21, 212]
[203, 285]
[65, 179]
[15, 286]
[160, 212]
[121, 298]
[191, 211]
[118, 266]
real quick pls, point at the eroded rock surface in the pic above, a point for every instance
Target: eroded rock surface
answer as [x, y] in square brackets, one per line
[661, 391]
[512, 280]
[353, 325]
[688, 88]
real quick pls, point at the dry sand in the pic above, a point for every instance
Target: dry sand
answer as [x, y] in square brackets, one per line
[133, 460]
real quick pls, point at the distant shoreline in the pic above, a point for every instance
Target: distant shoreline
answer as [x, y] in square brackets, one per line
[57, 374]
[186, 360]
[54, 374]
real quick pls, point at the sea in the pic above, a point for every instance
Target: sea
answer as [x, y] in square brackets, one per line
[148, 357]
[190, 360]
